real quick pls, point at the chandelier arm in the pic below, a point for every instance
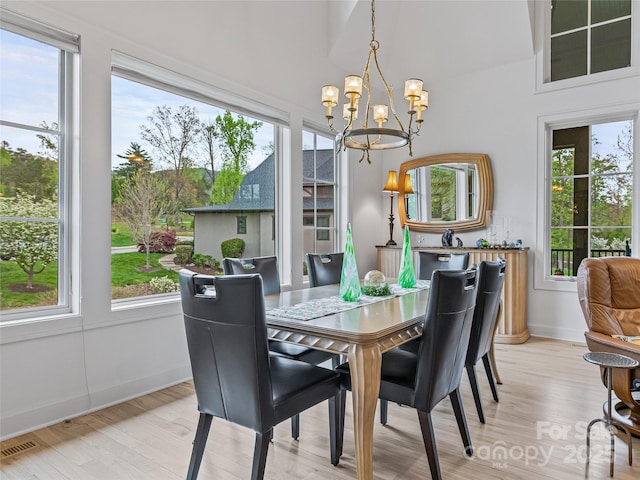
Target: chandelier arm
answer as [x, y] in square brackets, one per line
[389, 90]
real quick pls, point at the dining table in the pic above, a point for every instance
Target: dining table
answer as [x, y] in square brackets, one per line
[362, 331]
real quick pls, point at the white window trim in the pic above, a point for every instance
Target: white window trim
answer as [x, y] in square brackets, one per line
[542, 38]
[548, 123]
[336, 193]
[30, 321]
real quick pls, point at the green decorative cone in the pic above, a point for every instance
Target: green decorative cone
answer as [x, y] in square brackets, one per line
[406, 275]
[349, 280]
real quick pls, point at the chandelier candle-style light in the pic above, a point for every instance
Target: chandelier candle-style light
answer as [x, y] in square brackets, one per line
[376, 137]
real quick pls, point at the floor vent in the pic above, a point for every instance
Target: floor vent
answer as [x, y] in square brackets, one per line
[23, 447]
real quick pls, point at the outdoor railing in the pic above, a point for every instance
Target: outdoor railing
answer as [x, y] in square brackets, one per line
[562, 259]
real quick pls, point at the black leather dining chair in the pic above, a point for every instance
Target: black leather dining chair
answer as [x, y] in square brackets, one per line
[267, 267]
[324, 268]
[235, 376]
[485, 317]
[423, 378]
[430, 261]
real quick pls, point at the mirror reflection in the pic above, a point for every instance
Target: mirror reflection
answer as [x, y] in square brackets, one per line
[445, 191]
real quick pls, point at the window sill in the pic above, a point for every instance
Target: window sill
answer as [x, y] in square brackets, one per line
[595, 78]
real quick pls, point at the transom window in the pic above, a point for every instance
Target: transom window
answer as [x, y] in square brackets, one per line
[589, 36]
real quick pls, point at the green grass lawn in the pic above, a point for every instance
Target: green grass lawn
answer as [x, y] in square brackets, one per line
[121, 235]
[11, 274]
[124, 267]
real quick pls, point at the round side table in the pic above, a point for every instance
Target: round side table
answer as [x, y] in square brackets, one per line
[609, 361]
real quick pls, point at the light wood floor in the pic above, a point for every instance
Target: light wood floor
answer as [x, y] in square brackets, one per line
[537, 431]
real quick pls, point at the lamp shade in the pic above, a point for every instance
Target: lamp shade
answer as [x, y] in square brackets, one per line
[329, 95]
[408, 189]
[412, 88]
[392, 182]
[353, 86]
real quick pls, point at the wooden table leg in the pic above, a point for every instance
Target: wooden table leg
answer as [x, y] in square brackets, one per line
[364, 363]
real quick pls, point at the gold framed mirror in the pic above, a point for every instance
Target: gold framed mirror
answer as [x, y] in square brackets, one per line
[453, 190]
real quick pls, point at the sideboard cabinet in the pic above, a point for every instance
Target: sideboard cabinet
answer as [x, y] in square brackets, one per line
[512, 324]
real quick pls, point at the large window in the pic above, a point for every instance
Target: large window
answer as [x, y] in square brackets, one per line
[319, 193]
[207, 174]
[589, 36]
[590, 193]
[38, 68]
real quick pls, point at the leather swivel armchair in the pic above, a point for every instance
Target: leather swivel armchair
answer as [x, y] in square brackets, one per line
[235, 376]
[267, 268]
[485, 317]
[609, 295]
[422, 379]
[324, 268]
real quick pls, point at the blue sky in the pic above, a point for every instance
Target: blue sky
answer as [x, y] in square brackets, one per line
[29, 96]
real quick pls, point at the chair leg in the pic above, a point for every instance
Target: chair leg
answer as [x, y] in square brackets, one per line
[492, 383]
[342, 405]
[336, 360]
[384, 409]
[471, 372]
[429, 439]
[260, 454]
[334, 428]
[200, 441]
[458, 410]
[295, 426]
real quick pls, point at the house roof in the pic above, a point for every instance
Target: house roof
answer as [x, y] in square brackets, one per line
[256, 192]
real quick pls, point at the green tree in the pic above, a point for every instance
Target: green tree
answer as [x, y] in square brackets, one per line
[142, 203]
[236, 137]
[137, 159]
[32, 174]
[173, 134]
[32, 244]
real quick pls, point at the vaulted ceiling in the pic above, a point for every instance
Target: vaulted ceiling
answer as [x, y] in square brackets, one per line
[431, 39]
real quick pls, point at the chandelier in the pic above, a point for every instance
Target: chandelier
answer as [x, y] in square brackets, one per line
[374, 137]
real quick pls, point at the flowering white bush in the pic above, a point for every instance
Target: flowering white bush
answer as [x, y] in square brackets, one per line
[31, 244]
[163, 285]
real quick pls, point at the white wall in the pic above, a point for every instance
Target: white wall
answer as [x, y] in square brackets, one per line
[54, 370]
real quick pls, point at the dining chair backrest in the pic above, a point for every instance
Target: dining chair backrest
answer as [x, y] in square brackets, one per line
[227, 341]
[485, 316]
[324, 268]
[445, 337]
[267, 267]
[430, 261]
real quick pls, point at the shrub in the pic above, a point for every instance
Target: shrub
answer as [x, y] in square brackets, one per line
[160, 242]
[163, 285]
[184, 242]
[183, 254]
[232, 248]
[202, 261]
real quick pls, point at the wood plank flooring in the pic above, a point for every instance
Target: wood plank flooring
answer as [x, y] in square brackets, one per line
[536, 431]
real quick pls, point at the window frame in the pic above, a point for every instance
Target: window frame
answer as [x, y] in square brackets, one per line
[336, 188]
[136, 70]
[542, 45]
[241, 224]
[68, 219]
[546, 125]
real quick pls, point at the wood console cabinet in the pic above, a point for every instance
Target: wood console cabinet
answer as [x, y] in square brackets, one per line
[512, 324]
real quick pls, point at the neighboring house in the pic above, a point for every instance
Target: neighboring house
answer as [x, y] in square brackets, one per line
[250, 215]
